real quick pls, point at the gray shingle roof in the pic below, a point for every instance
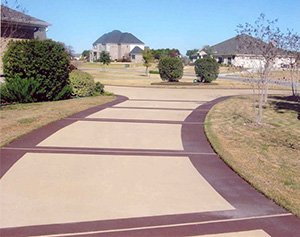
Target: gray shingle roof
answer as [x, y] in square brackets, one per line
[13, 16]
[117, 37]
[235, 45]
[136, 50]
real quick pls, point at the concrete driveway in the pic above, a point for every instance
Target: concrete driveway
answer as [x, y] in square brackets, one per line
[139, 166]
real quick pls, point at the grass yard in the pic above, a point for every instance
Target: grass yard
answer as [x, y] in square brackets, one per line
[19, 119]
[268, 157]
[113, 65]
[282, 75]
[112, 75]
[222, 69]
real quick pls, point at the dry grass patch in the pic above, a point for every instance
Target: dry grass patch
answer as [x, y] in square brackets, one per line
[19, 119]
[137, 77]
[281, 75]
[266, 156]
[222, 69]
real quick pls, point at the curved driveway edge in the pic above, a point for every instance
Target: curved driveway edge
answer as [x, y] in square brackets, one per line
[252, 212]
[12, 152]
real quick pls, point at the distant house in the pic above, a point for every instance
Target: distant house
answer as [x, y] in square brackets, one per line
[136, 55]
[121, 46]
[16, 25]
[235, 52]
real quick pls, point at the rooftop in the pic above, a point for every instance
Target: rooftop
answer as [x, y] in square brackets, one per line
[118, 37]
[13, 16]
[236, 45]
[136, 50]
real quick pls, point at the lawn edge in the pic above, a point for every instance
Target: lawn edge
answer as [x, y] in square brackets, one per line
[221, 152]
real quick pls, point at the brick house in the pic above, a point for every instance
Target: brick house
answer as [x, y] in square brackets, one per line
[16, 25]
[121, 46]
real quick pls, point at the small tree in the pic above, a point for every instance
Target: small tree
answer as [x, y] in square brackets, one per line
[206, 69]
[292, 47]
[105, 58]
[148, 59]
[85, 54]
[264, 40]
[191, 52]
[170, 69]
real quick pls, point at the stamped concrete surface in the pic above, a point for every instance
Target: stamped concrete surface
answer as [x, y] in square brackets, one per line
[158, 114]
[140, 166]
[111, 187]
[117, 135]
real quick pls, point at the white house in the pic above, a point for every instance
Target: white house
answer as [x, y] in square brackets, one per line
[234, 51]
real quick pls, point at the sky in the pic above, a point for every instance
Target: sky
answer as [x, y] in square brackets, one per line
[181, 24]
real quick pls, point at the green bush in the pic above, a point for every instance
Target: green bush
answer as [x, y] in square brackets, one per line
[99, 88]
[36, 71]
[153, 72]
[206, 69]
[82, 84]
[19, 90]
[170, 69]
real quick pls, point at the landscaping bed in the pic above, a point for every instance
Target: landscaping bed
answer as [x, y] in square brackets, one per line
[179, 83]
[267, 156]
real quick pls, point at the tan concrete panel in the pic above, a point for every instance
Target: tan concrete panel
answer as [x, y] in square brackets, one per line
[117, 135]
[160, 104]
[62, 188]
[171, 115]
[175, 94]
[250, 233]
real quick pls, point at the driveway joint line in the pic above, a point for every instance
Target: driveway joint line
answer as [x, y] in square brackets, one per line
[151, 108]
[108, 150]
[133, 121]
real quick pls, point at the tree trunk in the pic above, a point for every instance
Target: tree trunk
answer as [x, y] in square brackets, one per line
[260, 104]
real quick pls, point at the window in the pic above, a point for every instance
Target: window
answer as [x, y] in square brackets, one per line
[132, 56]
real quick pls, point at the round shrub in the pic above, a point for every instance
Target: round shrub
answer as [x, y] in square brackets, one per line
[42, 67]
[206, 69]
[82, 83]
[170, 69]
[99, 88]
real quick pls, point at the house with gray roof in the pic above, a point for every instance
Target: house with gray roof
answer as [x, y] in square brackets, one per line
[236, 51]
[16, 25]
[122, 46]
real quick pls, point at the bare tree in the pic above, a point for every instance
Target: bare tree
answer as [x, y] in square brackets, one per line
[292, 46]
[265, 42]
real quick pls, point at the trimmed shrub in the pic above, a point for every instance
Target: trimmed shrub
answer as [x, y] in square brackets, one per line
[99, 88]
[82, 84]
[36, 71]
[170, 69]
[206, 69]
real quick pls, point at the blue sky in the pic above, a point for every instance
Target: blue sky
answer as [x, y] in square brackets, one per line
[182, 24]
